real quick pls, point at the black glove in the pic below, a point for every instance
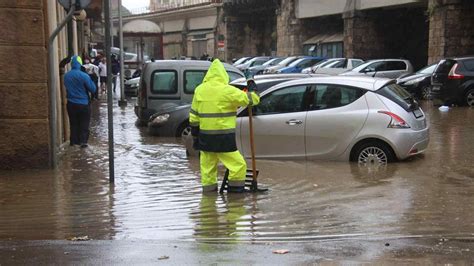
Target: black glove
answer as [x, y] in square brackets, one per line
[251, 85]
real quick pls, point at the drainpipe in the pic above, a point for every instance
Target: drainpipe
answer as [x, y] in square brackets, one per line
[122, 102]
[53, 88]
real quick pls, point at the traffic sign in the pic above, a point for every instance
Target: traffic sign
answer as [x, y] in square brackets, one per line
[67, 3]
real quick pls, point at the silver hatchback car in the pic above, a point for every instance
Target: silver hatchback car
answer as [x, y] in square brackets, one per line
[363, 119]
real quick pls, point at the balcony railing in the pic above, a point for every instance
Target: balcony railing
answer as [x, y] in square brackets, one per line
[178, 4]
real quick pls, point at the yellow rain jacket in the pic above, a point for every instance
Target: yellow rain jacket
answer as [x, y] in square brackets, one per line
[213, 110]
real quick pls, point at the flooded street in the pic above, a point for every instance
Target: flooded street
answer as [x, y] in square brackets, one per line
[157, 194]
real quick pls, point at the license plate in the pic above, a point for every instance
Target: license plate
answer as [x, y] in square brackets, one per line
[435, 88]
[418, 113]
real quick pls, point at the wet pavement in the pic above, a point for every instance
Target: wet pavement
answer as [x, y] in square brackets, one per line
[419, 210]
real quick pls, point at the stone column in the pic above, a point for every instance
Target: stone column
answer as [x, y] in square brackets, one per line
[24, 127]
[289, 28]
[451, 29]
[361, 39]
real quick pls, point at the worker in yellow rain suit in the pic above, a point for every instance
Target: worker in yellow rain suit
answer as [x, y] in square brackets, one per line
[213, 120]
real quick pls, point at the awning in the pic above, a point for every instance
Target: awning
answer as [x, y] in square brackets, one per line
[325, 38]
[141, 27]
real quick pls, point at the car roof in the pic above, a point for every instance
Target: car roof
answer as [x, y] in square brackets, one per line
[367, 83]
[263, 78]
[176, 63]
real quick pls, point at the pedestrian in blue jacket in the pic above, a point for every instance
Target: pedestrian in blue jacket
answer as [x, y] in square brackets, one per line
[78, 85]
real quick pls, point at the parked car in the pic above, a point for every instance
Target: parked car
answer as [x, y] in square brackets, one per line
[453, 81]
[385, 68]
[298, 65]
[168, 83]
[174, 121]
[284, 63]
[313, 68]
[256, 61]
[338, 66]
[131, 87]
[241, 60]
[258, 70]
[418, 83]
[363, 119]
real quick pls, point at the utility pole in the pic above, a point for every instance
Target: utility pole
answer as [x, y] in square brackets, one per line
[110, 114]
[122, 102]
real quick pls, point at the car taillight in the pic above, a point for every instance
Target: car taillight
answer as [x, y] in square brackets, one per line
[453, 74]
[396, 122]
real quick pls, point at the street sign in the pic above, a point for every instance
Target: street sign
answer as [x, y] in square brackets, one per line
[67, 3]
[220, 44]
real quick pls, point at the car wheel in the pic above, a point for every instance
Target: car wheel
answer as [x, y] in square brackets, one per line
[426, 93]
[470, 98]
[373, 153]
[183, 131]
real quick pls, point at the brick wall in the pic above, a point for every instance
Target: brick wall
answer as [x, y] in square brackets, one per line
[24, 130]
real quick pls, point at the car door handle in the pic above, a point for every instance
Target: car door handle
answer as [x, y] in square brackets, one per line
[294, 122]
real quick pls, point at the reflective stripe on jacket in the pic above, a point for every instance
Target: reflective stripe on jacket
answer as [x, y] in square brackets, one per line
[214, 110]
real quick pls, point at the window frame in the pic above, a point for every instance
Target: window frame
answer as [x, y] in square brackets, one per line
[152, 82]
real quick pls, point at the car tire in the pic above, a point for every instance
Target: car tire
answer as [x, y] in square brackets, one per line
[469, 98]
[183, 130]
[373, 152]
[426, 93]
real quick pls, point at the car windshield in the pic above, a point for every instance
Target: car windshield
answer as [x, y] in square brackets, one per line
[295, 63]
[241, 60]
[272, 61]
[287, 61]
[360, 67]
[333, 64]
[427, 70]
[399, 95]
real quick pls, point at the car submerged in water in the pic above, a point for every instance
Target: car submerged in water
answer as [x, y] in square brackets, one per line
[362, 119]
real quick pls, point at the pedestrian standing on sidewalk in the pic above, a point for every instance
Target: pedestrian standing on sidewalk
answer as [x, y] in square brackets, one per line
[115, 70]
[78, 85]
[93, 72]
[103, 75]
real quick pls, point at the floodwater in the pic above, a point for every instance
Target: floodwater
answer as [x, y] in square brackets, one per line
[157, 193]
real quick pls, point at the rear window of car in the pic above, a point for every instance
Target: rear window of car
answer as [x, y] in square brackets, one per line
[399, 95]
[164, 82]
[395, 65]
[192, 79]
[469, 64]
[445, 66]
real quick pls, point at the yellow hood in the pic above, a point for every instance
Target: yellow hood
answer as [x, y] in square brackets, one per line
[216, 73]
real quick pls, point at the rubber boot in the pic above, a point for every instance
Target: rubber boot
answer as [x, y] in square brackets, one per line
[240, 189]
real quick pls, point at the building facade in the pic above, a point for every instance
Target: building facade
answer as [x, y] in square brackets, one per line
[25, 103]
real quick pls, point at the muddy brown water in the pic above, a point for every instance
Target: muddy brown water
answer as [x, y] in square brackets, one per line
[157, 193]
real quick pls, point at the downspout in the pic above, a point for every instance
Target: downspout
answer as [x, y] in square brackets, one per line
[53, 88]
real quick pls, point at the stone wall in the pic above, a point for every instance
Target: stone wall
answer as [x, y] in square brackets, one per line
[289, 39]
[391, 33]
[451, 28]
[24, 130]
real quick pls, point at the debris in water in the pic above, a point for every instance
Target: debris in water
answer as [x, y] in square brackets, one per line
[163, 257]
[315, 185]
[387, 244]
[79, 238]
[281, 251]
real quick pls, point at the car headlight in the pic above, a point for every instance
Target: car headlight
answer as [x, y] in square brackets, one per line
[414, 81]
[159, 119]
[135, 85]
